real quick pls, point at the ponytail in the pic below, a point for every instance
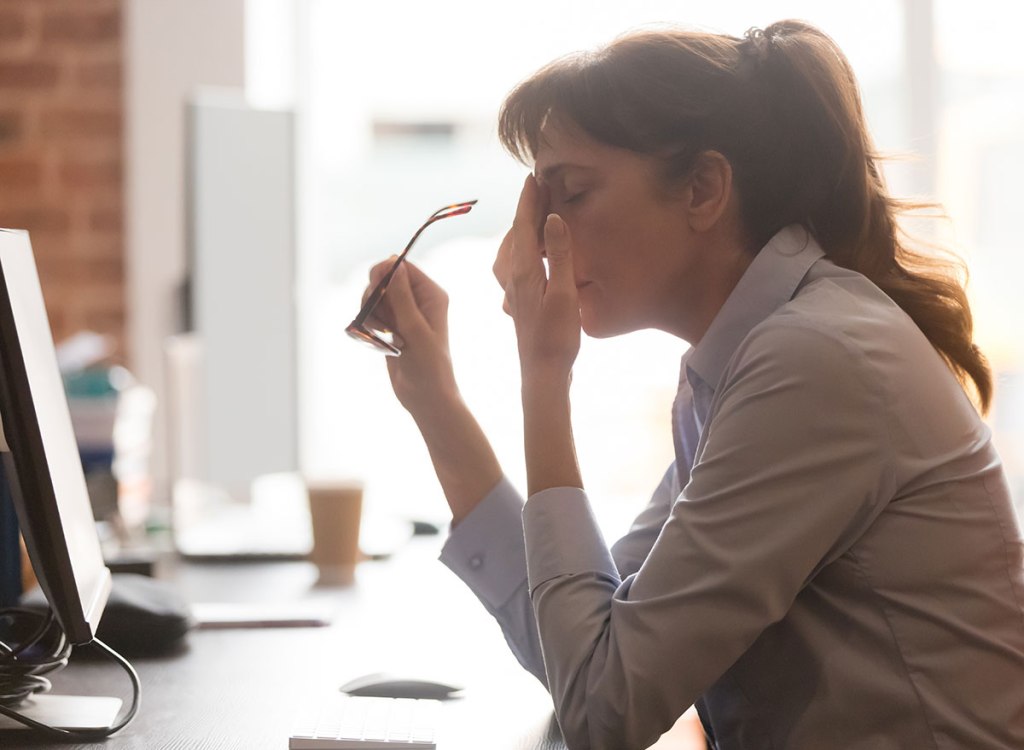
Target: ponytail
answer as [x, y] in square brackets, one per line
[854, 218]
[783, 106]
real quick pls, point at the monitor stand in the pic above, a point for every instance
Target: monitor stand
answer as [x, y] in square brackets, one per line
[80, 712]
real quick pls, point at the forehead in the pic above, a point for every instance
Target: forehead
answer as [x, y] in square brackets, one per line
[565, 145]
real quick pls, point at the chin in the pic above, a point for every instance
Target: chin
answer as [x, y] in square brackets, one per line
[597, 327]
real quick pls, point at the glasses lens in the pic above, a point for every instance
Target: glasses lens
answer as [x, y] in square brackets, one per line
[372, 338]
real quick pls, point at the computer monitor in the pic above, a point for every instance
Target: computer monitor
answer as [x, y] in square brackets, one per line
[40, 455]
[45, 478]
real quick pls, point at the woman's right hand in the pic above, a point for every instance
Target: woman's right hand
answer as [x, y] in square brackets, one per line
[415, 310]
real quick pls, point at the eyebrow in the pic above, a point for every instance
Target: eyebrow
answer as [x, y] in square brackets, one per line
[549, 173]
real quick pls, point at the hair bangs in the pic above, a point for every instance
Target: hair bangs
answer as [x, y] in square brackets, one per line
[561, 89]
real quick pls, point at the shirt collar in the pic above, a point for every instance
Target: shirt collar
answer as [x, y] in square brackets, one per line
[769, 282]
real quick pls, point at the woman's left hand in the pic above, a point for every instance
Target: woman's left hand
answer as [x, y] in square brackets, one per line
[544, 305]
[545, 308]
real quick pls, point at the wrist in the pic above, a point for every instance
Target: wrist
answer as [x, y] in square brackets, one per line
[547, 426]
[463, 459]
[546, 383]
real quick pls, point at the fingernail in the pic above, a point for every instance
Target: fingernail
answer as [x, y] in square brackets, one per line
[555, 225]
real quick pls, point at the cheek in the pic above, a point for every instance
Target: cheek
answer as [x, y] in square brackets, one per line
[598, 240]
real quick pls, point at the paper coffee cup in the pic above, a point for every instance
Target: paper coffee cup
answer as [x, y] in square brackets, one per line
[335, 511]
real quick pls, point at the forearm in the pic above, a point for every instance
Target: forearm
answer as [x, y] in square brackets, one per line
[462, 456]
[547, 431]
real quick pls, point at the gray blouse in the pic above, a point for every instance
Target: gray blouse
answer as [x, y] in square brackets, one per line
[833, 560]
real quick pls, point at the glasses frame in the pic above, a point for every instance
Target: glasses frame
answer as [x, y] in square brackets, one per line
[358, 329]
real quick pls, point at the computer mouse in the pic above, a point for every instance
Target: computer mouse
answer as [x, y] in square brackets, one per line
[383, 685]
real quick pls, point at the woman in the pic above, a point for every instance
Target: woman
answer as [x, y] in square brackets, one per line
[833, 560]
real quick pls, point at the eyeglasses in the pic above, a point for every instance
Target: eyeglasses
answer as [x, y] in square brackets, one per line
[381, 340]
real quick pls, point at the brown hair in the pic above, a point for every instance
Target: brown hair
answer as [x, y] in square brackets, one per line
[783, 106]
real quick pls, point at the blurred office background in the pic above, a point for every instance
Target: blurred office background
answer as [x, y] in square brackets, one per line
[391, 114]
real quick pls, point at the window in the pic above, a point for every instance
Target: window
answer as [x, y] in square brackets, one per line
[398, 107]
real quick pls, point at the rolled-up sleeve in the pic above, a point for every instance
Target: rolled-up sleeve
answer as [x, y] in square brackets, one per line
[791, 469]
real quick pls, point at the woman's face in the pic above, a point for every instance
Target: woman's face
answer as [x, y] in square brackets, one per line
[629, 234]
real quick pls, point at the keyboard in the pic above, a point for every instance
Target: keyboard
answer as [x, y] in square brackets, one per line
[344, 722]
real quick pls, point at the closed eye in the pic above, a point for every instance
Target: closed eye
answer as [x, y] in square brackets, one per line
[575, 197]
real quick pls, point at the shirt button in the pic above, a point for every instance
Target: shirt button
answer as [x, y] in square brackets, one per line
[476, 562]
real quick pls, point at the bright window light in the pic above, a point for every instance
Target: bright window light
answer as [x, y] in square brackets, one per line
[398, 106]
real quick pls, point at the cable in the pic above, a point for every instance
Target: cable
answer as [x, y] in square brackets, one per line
[45, 650]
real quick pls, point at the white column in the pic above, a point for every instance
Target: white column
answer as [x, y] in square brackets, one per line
[171, 47]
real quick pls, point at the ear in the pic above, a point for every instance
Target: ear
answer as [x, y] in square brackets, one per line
[710, 190]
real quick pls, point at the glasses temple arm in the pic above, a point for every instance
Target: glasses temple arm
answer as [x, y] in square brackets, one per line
[378, 291]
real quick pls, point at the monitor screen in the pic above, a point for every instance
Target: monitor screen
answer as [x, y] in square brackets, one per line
[41, 458]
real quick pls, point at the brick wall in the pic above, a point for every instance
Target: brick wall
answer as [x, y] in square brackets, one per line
[61, 137]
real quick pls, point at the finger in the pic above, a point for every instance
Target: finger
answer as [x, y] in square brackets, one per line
[417, 277]
[427, 292]
[402, 302]
[525, 251]
[500, 269]
[526, 209]
[544, 207]
[377, 272]
[558, 245]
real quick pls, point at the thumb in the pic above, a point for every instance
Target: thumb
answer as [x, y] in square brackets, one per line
[558, 248]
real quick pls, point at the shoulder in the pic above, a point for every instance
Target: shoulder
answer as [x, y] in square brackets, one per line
[824, 345]
[838, 321]
[799, 345]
